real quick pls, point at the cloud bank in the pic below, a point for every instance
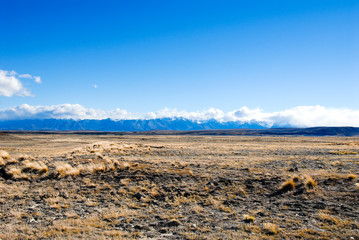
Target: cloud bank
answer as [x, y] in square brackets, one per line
[11, 85]
[301, 116]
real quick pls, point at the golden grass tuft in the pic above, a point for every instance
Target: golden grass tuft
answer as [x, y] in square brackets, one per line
[224, 208]
[251, 228]
[270, 229]
[2, 162]
[5, 155]
[287, 186]
[124, 165]
[352, 176]
[65, 169]
[248, 218]
[38, 167]
[14, 172]
[6, 158]
[325, 217]
[24, 157]
[96, 167]
[309, 182]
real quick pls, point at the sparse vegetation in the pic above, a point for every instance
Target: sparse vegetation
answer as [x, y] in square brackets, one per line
[352, 176]
[4, 155]
[270, 228]
[186, 187]
[248, 218]
[287, 186]
[64, 169]
[36, 166]
[343, 152]
[309, 182]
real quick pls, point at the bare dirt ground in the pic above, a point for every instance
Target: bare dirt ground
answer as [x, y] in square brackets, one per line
[67, 186]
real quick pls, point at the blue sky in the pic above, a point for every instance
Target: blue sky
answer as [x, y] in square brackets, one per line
[143, 56]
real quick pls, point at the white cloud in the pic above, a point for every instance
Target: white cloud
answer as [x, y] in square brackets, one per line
[26, 75]
[94, 85]
[10, 85]
[302, 116]
[37, 79]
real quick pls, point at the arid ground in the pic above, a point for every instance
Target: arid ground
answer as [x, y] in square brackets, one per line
[73, 186]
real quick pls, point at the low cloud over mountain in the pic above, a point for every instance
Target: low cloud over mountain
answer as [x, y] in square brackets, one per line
[302, 116]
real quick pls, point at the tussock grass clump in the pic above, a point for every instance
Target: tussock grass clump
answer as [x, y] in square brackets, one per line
[352, 176]
[65, 169]
[38, 167]
[287, 186]
[224, 208]
[309, 182]
[270, 229]
[325, 217]
[14, 172]
[2, 162]
[236, 190]
[251, 228]
[5, 158]
[24, 157]
[248, 218]
[4, 155]
[96, 167]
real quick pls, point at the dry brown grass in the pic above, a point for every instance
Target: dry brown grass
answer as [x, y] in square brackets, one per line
[352, 176]
[36, 166]
[14, 172]
[2, 162]
[343, 152]
[4, 155]
[248, 218]
[287, 186]
[309, 182]
[270, 228]
[64, 169]
[189, 187]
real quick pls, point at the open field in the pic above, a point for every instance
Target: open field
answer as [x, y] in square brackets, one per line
[72, 186]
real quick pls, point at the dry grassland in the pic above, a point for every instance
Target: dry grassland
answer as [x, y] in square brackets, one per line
[67, 186]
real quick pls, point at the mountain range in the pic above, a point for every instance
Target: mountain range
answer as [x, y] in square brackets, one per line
[176, 124]
[170, 126]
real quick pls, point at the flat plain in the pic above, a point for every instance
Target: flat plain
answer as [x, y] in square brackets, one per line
[78, 186]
